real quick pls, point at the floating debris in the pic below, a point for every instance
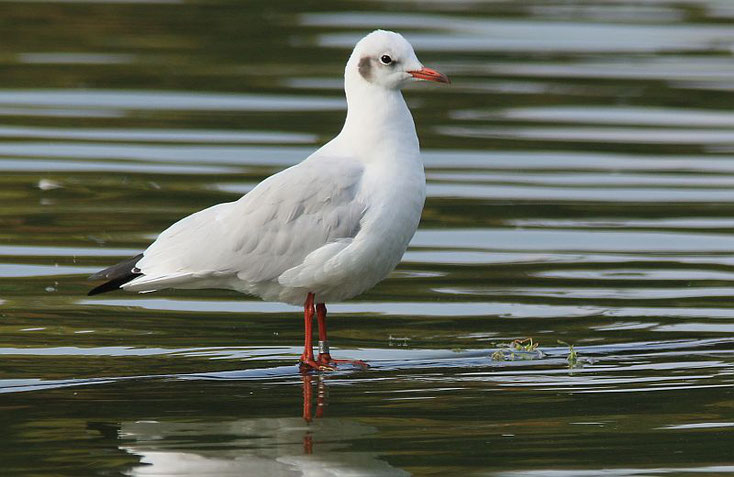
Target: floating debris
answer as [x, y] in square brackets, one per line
[520, 349]
[573, 357]
[397, 341]
[97, 240]
[48, 184]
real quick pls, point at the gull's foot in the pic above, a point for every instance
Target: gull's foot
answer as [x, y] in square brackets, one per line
[306, 364]
[327, 360]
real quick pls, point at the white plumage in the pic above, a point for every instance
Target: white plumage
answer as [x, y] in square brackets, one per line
[333, 225]
[267, 242]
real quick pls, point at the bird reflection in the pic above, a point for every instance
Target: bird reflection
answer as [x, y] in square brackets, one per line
[311, 444]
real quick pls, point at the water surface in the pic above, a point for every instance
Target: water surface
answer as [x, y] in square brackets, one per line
[580, 171]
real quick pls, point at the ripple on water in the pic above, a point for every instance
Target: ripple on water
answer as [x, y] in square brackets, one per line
[579, 172]
[164, 100]
[510, 35]
[157, 135]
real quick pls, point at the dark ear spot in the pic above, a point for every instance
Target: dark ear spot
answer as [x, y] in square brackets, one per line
[365, 67]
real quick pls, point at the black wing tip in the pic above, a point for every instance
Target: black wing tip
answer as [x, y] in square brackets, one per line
[117, 275]
[97, 276]
[112, 285]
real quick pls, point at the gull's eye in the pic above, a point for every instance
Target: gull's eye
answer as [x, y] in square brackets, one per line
[385, 60]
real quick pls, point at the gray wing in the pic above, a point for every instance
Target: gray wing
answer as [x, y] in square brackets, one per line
[268, 231]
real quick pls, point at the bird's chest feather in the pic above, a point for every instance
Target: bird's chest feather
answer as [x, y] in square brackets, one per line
[394, 194]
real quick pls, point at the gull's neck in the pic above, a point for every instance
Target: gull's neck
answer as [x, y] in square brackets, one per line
[378, 121]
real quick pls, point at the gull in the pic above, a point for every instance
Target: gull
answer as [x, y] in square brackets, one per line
[324, 230]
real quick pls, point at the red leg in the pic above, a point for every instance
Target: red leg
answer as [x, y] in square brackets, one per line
[324, 357]
[307, 360]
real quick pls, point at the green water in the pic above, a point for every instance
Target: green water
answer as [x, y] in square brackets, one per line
[580, 172]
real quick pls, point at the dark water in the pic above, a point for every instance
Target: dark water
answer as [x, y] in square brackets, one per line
[580, 189]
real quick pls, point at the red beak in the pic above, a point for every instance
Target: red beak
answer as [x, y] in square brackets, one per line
[429, 75]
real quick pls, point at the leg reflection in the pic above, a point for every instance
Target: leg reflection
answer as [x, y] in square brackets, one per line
[307, 393]
[321, 396]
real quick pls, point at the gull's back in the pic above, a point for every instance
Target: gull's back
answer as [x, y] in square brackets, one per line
[252, 241]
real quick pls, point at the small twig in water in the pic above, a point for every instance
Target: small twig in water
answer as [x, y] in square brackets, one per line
[522, 349]
[525, 344]
[573, 357]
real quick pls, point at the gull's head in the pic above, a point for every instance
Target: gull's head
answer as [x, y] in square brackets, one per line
[386, 59]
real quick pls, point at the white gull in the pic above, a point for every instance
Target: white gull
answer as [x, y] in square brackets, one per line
[324, 230]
